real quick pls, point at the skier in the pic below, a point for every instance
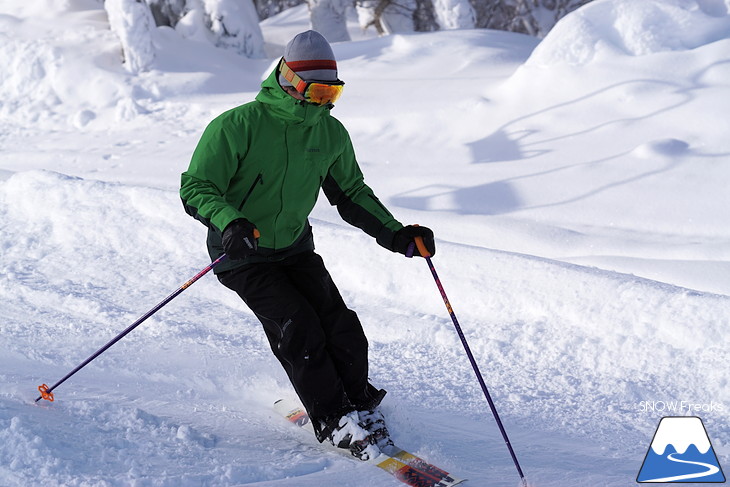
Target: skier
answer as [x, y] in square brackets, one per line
[253, 180]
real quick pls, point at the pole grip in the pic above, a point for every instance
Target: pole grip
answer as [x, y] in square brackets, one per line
[422, 247]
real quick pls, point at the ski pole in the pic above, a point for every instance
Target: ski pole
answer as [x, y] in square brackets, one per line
[427, 255]
[47, 392]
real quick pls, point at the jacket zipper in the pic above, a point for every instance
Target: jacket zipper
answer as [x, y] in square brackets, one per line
[259, 179]
[283, 181]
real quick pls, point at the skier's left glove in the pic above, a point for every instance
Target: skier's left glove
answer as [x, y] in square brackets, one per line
[406, 236]
[240, 239]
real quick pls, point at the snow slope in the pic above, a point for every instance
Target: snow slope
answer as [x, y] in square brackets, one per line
[577, 188]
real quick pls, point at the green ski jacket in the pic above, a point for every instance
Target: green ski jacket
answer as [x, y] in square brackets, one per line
[266, 161]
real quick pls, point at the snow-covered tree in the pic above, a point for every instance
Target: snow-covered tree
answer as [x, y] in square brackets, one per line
[328, 17]
[132, 22]
[533, 17]
[167, 12]
[269, 8]
[232, 24]
[387, 16]
[424, 18]
[454, 14]
[235, 25]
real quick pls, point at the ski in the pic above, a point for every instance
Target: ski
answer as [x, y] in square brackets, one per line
[404, 466]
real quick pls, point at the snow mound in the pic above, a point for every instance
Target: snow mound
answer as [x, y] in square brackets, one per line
[662, 148]
[106, 70]
[607, 28]
[74, 216]
[41, 85]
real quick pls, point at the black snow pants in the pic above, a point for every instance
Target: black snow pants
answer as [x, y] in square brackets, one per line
[316, 338]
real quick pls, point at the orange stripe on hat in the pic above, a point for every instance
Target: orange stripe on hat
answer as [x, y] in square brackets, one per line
[312, 65]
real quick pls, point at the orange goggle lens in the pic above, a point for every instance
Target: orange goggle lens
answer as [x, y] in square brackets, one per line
[323, 94]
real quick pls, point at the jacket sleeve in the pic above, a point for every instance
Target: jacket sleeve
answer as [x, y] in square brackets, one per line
[345, 188]
[212, 167]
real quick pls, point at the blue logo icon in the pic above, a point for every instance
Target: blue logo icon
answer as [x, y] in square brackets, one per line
[681, 452]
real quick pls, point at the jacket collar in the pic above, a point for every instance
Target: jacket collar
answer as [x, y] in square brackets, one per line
[287, 108]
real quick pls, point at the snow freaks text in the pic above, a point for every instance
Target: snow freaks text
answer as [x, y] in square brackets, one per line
[680, 407]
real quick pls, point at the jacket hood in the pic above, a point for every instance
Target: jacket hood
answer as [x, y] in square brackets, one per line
[285, 106]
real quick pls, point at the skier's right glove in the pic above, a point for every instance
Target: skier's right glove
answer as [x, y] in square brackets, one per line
[240, 239]
[406, 236]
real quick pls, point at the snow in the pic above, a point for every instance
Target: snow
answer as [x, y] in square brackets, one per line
[454, 14]
[577, 187]
[132, 22]
[234, 23]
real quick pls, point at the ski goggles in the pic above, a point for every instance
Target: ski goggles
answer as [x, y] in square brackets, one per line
[317, 92]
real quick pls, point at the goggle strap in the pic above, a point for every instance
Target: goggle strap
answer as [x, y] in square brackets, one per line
[298, 83]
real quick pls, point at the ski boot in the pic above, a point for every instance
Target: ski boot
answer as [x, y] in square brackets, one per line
[348, 433]
[373, 422]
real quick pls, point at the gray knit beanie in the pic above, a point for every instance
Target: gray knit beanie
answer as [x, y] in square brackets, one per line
[310, 56]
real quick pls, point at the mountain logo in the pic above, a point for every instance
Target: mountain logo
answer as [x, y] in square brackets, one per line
[680, 452]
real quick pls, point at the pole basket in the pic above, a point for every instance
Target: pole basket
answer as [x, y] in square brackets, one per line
[45, 392]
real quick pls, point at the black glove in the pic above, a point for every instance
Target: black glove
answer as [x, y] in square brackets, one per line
[240, 239]
[406, 235]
